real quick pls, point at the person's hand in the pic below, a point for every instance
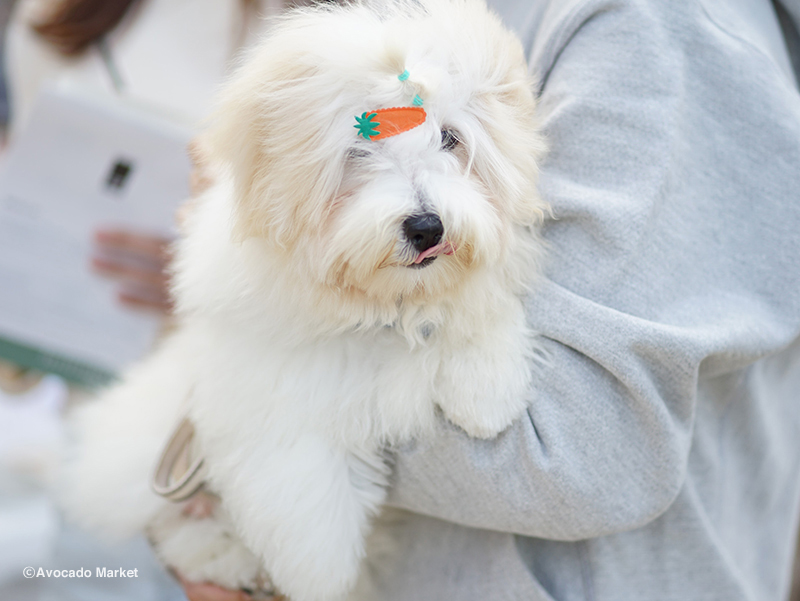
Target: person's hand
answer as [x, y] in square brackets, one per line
[138, 261]
[211, 592]
[202, 591]
[201, 506]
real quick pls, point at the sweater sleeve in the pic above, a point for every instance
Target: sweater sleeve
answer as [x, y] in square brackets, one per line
[662, 272]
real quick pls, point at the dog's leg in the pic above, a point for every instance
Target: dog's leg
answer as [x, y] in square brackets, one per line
[482, 384]
[304, 508]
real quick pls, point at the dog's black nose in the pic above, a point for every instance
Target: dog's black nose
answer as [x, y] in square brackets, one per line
[423, 231]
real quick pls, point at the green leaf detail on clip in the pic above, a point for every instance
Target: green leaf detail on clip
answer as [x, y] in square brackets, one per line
[366, 126]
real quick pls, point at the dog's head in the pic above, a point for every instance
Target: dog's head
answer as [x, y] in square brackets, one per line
[400, 216]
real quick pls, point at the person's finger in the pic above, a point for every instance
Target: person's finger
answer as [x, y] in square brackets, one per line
[201, 591]
[200, 506]
[131, 242]
[154, 277]
[149, 302]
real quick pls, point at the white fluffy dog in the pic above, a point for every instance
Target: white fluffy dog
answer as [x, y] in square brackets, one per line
[334, 287]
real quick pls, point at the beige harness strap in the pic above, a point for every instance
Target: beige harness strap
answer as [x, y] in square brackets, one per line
[181, 470]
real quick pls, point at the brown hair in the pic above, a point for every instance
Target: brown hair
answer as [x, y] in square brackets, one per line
[73, 25]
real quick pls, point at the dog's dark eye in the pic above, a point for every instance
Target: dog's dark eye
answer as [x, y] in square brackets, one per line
[449, 139]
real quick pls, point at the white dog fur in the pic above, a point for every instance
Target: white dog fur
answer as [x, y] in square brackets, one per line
[308, 341]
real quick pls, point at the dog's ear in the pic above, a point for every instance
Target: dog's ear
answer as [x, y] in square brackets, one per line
[515, 131]
[271, 133]
[505, 105]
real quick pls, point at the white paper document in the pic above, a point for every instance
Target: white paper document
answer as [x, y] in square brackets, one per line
[81, 164]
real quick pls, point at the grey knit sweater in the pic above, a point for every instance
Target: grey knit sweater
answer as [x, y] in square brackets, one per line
[660, 458]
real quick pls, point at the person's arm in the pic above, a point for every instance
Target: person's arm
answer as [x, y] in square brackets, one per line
[602, 448]
[666, 266]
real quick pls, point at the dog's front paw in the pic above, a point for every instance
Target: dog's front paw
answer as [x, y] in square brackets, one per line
[205, 550]
[482, 391]
[491, 422]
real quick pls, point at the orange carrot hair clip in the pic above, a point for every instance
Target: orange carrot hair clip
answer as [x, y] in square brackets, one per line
[385, 123]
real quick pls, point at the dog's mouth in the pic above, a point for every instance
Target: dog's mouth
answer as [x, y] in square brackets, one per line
[428, 256]
[424, 263]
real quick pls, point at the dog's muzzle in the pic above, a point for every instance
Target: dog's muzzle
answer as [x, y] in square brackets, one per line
[424, 232]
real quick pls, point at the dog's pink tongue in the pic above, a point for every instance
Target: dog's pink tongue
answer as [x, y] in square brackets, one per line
[443, 248]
